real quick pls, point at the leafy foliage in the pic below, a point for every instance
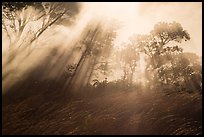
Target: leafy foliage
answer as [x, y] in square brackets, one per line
[129, 58]
[163, 33]
[18, 19]
[182, 73]
[167, 65]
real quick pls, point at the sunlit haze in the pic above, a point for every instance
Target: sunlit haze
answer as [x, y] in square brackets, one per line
[139, 18]
[102, 68]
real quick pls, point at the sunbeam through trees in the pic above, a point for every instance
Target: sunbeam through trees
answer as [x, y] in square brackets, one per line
[77, 68]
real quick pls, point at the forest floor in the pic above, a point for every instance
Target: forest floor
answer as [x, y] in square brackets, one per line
[103, 113]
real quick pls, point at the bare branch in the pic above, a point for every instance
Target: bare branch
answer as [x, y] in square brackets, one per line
[13, 19]
[5, 28]
[43, 29]
[40, 16]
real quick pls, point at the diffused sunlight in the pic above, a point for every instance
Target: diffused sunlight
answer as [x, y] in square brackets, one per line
[126, 14]
[142, 63]
[101, 68]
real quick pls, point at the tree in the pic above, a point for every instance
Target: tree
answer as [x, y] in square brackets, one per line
[164, 33]
[183, 73]
[24, 22]
[157, 42]
[129, 57]
[160, 47]
[102, 63]
[96, 43]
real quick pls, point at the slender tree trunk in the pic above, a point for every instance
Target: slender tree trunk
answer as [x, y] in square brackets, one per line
[82, 76]
[131, 78]
[81, 60]
[91, 71]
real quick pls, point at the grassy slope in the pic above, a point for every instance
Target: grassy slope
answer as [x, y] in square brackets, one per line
[103, 112]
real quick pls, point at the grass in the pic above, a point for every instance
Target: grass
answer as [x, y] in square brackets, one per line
[102, 112]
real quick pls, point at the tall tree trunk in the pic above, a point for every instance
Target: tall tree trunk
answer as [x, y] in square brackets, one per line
[91, 71]
[88, 48]
[131, 78]
[82, 76]
[70, 82]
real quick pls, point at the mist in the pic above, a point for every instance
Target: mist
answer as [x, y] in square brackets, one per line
[102, 68]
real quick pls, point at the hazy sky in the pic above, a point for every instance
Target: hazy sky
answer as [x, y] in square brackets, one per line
[140, 17]
[136, 18]
[188, 14]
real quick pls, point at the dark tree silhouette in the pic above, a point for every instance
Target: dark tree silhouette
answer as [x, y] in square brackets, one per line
[129, 57]
[96, 44]
[182, 73]
[17, 16]
[157, 46]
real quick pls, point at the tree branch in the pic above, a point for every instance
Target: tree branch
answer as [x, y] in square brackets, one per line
[5, 28]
